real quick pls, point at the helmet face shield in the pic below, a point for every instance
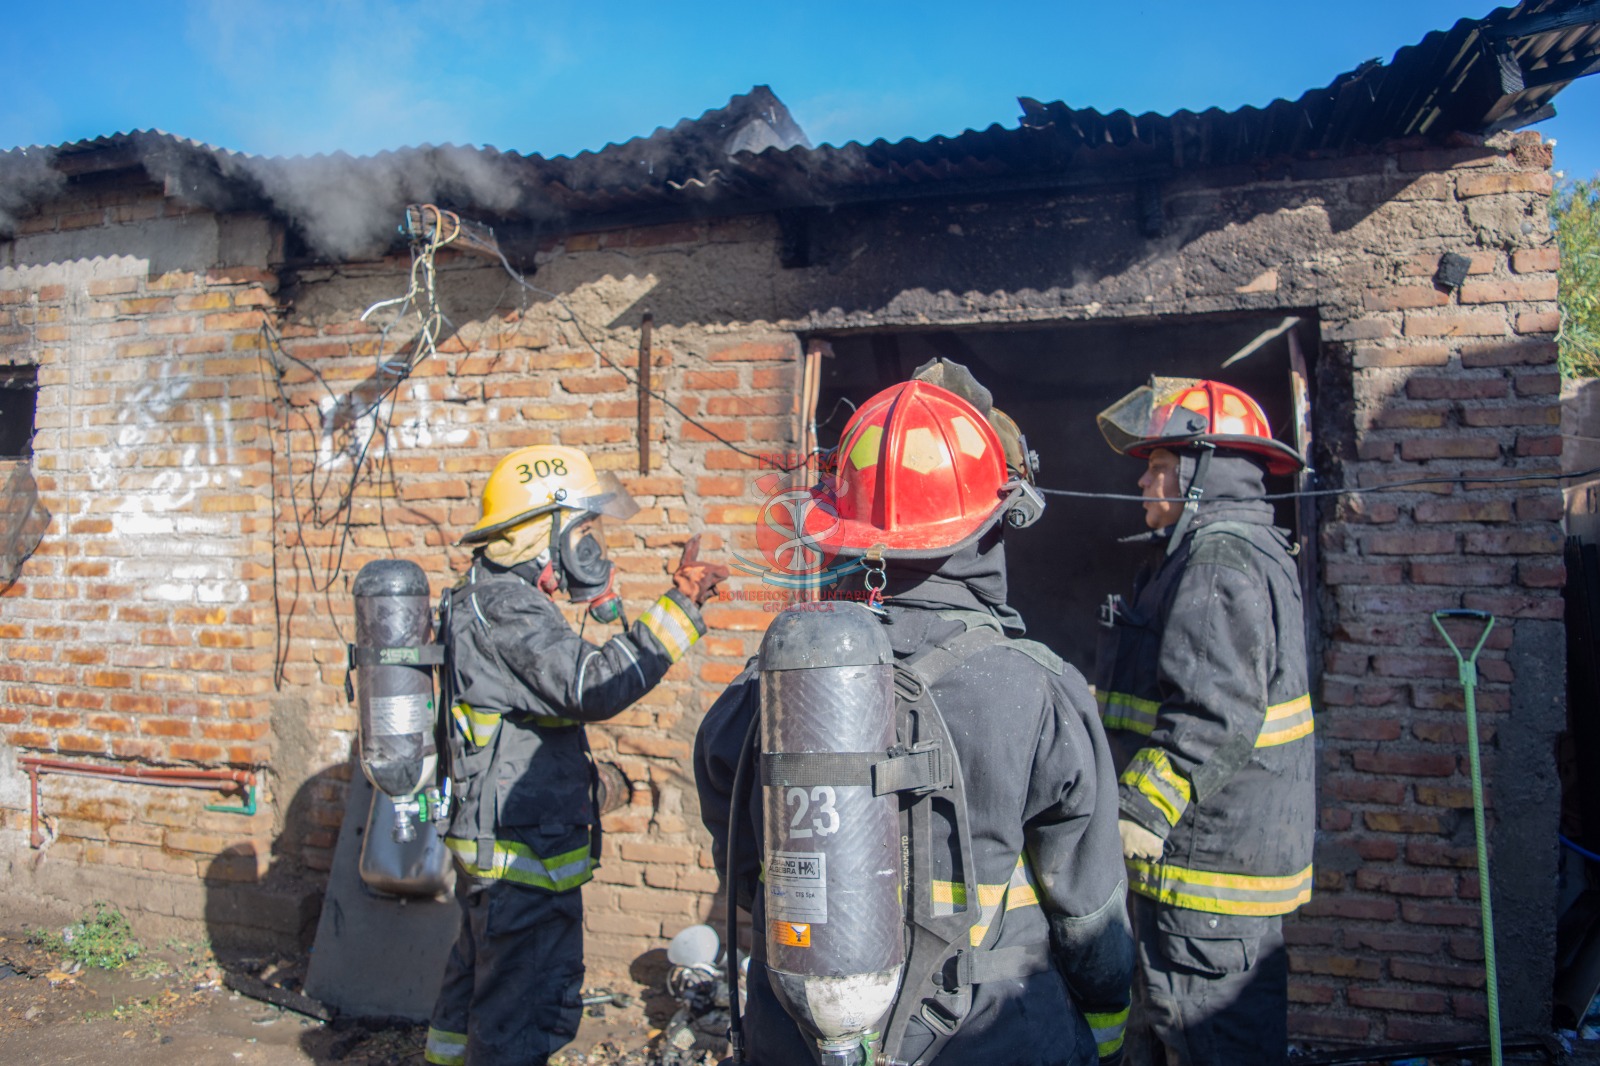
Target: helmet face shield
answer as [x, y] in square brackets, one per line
[1179, 413]
[605, 497]
[1150, 412]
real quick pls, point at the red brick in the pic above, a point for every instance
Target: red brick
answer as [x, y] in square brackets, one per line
[1365, 790]
[711, 379]
[1432, 973]
[1403, 763]
[1428, 886]
[1334, 965]
[1538, 322]
[1420, 913]
[1508, 353]
[1478, 575]
[1538, 384]
[1404, 298]
[1420, 388]
[1534, 260]
[1448, 158]
[1360, 728]
[1391, 998]
[1536, 444]
[1403, 822]
[1455, 324]
[1513, 542]
[1470, 185]
[1467, 510]
[746, 351]
[1358, 908]
[1509, 291]
[1322, 1026]
[1419, 449]
[1409, 542]
[1371, 355]
[1531, 414]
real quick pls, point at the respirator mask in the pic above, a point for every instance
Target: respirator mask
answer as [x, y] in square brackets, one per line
[589, 577]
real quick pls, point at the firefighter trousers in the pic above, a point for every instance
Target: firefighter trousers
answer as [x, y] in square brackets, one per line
[1200, 1001]
[512, 990]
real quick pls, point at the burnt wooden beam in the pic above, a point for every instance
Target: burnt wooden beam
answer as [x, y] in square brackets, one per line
[1559, 72]
[646, 330]
[1584, 14]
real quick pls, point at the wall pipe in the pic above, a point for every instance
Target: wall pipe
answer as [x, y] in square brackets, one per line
[173, 777]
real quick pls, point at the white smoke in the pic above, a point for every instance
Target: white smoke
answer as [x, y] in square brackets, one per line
[349, 208]
[26, 178]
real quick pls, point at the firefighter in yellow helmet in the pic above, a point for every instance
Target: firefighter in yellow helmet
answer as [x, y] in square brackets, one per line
[525, 832]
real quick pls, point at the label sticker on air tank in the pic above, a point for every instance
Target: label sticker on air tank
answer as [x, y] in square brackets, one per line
[394, 716]
[797, 887]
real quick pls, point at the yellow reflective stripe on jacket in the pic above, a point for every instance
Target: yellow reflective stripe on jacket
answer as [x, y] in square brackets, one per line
[446, 1048]
[1151, 773]
[1286, 722]
[669, 624]
[1118, 710]
[1014, 894]
[477, 726]
[517, 863]
[1219, 893]
[1108, 1030]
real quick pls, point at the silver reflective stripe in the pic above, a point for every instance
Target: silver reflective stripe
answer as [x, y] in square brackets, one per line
[446, 1048]
[634, 660]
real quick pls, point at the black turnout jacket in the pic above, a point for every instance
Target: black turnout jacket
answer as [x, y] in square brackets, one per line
[1041, 801]
[1202, 684]
[524, 685]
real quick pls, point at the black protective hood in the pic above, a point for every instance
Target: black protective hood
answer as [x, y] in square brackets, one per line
[971, 579]
[1235, 485]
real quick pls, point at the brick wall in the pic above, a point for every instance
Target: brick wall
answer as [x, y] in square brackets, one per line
[204, 548]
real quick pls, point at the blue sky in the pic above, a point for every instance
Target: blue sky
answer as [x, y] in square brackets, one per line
[287, 78]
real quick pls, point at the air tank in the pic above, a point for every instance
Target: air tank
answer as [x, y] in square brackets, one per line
[394, 683]
[834, 910]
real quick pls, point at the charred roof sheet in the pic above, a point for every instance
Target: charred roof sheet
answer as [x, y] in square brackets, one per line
[1479, 76]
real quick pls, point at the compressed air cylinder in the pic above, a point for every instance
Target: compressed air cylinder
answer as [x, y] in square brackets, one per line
[835, 918]
[394, 689]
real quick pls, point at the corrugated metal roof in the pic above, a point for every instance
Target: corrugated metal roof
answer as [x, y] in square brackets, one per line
[1500, 71]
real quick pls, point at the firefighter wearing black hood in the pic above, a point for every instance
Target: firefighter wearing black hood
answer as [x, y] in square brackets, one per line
[525, 831]
[925, 496]
[1202, 684]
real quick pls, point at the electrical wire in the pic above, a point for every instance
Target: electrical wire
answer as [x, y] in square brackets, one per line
[1585, 852]
[1393, 486]
[764, 459]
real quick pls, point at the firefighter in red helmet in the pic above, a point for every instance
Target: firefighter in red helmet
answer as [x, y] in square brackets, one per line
[1203, 689]
[927, 497]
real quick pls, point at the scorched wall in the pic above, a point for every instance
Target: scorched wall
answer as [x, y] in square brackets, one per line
[189, 603]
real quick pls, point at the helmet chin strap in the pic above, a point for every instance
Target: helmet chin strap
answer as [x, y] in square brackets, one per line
[1191, 502]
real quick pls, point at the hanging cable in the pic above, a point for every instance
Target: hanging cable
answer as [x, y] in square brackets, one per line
[1393, 486]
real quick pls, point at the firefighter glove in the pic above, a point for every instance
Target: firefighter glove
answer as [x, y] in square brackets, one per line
[1138, 842]
[695, 579]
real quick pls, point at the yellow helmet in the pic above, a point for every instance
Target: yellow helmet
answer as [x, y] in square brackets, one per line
[537, 480]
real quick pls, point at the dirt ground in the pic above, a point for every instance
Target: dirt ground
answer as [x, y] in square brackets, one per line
[173, 1005]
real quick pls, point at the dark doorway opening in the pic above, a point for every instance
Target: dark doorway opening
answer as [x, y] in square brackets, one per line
[19, 395]
[1053, 380]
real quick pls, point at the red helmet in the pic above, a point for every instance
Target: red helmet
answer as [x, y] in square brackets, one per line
[1180, 412]
[920, 471]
